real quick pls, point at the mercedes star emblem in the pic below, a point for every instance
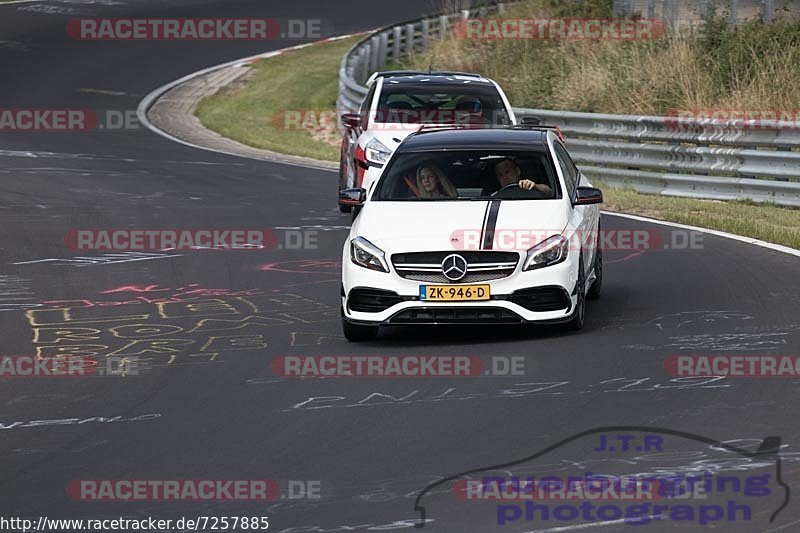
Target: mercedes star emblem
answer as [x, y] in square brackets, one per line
[454, 267]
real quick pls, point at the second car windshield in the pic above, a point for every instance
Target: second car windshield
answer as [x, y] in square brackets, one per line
[468, 175]
[441, 104]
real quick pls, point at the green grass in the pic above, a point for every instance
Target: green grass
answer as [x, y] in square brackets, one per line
[302, 80]
[761, 221]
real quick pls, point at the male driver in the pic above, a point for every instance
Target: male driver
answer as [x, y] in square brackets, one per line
[508, 172]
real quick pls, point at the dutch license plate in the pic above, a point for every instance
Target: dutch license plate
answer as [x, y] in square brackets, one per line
[451, 293]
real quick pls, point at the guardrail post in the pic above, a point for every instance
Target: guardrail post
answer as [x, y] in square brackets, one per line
[383, 48]
[734, 15]
[426, 28]
[670, 13]
[374, 53]
[769, 11]
[396, 43]
[443, 27]
[702, 9]
[363, 67]
[410, 39]
[622, 8]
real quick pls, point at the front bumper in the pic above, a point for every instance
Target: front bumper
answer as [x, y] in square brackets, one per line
[546, 295]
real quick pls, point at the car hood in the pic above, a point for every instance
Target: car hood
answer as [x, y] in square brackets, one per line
[431, 226]
[391, 135]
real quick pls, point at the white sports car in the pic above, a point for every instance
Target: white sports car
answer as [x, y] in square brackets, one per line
[398, 102]
[472, 226]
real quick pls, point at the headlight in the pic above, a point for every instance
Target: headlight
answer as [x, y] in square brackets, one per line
[376, 152]
[365, 254]
[548, 252]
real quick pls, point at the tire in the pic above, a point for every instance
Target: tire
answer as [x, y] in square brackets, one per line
[579, 316]
[343, 182]
[357, 332]
[597, 286]
[343, 208]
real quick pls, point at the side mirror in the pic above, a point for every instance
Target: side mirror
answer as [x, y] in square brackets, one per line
[531, 120]
[352, 196]
[351, 121]
[588, 196]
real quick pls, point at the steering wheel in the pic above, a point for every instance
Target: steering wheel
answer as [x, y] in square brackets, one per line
[507, 187]
[515, 191]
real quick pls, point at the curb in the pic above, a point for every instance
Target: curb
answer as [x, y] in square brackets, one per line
[232, 147]
[19, 2]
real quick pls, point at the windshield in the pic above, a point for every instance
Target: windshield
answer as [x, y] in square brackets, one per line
[469, 175]
[406, 103]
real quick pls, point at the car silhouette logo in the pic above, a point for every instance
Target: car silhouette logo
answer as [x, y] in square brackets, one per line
[454, 267]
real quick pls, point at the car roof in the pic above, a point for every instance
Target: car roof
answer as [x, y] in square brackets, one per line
[454, 138]
[396, 77]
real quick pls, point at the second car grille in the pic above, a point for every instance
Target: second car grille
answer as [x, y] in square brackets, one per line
[481, 266]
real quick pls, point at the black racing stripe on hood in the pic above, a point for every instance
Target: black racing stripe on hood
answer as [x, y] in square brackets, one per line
[490, 225]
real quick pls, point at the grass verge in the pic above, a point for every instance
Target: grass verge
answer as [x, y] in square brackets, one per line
[761, 221]
[303, 83]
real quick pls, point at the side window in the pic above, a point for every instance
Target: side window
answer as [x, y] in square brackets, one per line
[567, 168]
[365, 105]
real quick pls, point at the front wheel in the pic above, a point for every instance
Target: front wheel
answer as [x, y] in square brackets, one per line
[579, 316]
[594, 291]
[358, 332]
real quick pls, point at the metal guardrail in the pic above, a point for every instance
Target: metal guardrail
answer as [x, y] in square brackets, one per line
[678, 13]
[719, 160]
[712, 159]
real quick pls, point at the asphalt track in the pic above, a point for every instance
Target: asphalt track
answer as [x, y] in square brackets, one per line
[213, 409]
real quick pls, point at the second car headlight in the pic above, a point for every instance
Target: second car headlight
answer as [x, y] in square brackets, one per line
[365, 254]
[376, 152]
[548, 252]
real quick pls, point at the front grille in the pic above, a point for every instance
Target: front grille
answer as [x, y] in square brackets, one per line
[372, 300]
[481, 266]
[456, 315]
[541, 299]
[441, 278]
